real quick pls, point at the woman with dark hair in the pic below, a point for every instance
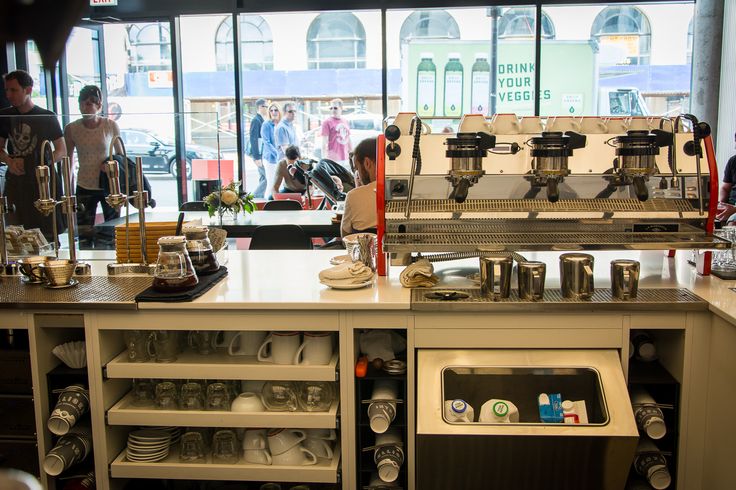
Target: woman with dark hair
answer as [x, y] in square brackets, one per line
[91, 136]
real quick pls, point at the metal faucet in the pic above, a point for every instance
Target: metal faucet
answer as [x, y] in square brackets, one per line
[140, 200]
[46, 202]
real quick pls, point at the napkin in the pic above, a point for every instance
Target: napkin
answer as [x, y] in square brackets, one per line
[347, 273]
[420, 274]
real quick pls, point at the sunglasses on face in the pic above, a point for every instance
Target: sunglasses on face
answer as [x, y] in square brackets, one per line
[291, 111]
[274, 110]
[334, 108]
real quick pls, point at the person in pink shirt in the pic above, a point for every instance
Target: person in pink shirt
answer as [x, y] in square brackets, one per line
[336, 144]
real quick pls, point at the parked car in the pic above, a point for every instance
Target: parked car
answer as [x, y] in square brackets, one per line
[159, 154]
[362, 125]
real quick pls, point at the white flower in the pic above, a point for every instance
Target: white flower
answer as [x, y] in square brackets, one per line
[229, 197]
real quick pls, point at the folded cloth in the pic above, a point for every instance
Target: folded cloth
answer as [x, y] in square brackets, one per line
[420, 274]
[347, 273]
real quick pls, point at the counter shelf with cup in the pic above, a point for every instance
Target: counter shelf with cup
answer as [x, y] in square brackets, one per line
[379, 382]
[651, 380]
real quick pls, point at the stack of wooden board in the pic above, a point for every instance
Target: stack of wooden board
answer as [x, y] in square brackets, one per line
[154, 231]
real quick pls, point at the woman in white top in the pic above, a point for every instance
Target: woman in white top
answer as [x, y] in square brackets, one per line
[91, 136]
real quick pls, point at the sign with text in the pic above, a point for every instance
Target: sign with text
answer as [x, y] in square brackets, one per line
[103, 3]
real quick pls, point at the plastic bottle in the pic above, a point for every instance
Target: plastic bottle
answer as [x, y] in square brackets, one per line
[648, 416]
[498, 412]
[480, 84]
[644, 348]
[458, 411]
[650, 463]
[453, 100]
[426, 85]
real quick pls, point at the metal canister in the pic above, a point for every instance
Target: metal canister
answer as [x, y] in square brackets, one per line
[576, 275]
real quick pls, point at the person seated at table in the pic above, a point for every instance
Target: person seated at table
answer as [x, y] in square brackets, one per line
[360, 204]
[293, 181]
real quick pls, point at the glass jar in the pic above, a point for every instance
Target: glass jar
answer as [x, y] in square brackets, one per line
[174, 269]
[200, 249]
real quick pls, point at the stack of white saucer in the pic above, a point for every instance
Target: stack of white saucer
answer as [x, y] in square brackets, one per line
[148, 445]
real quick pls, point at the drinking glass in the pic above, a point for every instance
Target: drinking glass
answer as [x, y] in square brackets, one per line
[192, 396]
[166, 396]
[280, 396]
[316, 396]
[143, 392]
[192, 448]
[225, 447]
[218, 397]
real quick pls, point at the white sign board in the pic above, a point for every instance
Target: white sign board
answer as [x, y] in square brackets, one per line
[103, 3]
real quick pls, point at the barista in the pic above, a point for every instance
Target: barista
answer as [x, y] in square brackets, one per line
[727, 195]
[360, 203]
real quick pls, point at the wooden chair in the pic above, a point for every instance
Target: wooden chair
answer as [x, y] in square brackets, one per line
[280, 237]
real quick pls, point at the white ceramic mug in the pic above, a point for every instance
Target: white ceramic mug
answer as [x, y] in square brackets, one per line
[255, 439]
[258, 456]
[295, 456]
[638, 123]
[319, 447]
[593, 125]
[222, 339]
[316, 349]
[281, 440]
[247, 402]
[505, 124]
[563, 124]
[531, 125]
[617, 125]
[324, 434]
[250, 341]
[283, 347]
[474, 123]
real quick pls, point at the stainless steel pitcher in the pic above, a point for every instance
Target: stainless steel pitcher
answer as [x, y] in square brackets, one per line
[624, 278]
[495, 276]
[531, 275]
[576, 275]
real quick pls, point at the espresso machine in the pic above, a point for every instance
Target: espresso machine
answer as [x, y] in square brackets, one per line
[480, 192]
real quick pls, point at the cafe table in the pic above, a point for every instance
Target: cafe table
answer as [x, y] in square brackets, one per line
[316, 223]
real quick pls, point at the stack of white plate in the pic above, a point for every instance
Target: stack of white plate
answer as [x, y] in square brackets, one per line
[148, 445]
[174, 432]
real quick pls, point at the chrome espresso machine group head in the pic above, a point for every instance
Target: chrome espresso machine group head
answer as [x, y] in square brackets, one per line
[566, 191]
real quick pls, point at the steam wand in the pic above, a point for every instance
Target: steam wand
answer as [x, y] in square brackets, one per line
[416, 160]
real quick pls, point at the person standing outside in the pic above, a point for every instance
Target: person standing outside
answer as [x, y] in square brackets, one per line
[336, 145]
[91, 136]
[256, 145]
[285, 131]
[23, 128]
[270, 153]
[360, 204]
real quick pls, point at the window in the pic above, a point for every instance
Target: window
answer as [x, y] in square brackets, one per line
[624, 36]
[520, 23]
[150, 47]
[429, 24]
[336, 40]
[256, 42]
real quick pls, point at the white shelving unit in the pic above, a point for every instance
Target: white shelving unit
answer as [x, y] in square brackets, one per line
[191, 365]
[125, 413]
[322, 472]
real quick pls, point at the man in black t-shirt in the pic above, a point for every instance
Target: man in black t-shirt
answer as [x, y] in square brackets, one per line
[23, 127]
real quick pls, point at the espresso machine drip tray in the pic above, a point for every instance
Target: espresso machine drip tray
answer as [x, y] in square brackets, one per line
[471, 299]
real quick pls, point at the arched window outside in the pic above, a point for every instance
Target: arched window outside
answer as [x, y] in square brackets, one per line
[626, 29]
[429, 24]
[335, 40]
[520, 23]
[256, 44]
[690, 42]
[150, 46]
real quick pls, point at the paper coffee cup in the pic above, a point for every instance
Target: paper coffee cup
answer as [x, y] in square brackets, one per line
[73, 403]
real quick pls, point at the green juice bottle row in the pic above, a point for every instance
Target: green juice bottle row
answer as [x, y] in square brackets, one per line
[454, 82]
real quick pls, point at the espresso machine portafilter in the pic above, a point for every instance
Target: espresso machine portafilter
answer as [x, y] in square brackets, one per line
[466, 152]
[636, 152]
[550, 152]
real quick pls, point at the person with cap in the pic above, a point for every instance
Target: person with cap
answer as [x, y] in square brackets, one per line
[256, 146]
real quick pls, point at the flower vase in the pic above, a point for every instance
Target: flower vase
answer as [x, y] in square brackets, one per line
[228, 215]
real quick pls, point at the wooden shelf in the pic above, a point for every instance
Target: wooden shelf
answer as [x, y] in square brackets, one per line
[191, 365]
[124, 413]
[171, 468]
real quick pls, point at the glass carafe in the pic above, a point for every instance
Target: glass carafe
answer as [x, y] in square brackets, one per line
[174, 270]
[200, 249]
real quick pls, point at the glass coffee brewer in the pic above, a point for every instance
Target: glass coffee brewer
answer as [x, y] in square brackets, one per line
[200, 249]
[174, 269]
